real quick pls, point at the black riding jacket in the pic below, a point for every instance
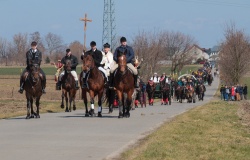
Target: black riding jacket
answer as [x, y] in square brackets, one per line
[97, 56]
[73, 59]
[33, 57]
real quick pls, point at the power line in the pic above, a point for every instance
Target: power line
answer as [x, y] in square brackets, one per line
[219, 3]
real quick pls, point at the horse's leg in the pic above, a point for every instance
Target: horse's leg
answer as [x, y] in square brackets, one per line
[85, 101]
[67, 102]
[111, 95]
[31, 106]
[92, 102]
[37, 107]
[120, 103]
[100, 103]
[28, 109]
[70, 101]
[62, 103]
[74, 102]
[129, 101]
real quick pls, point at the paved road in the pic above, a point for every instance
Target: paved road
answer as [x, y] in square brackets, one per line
[71, 136]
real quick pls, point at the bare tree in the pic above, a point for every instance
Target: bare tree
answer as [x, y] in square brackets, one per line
[177, 45]
[162, 46]
[76, 48]
[3, 51]
[53, 42]
[37, 38]
[234, 55]
[148, 46]
[19, 48]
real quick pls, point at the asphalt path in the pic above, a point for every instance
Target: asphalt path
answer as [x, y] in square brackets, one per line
[71, 136]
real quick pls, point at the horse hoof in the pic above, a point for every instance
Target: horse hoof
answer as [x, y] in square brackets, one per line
[86, 115]
[38, 116]
[74, 108]
[32, 116]
[62, 106]
[120, 116]
[27, 117]
[99, 115]
[127, 115]
[66, 110]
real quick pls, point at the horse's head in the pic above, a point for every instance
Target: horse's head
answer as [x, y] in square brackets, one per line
[67, 66]
[88, 63]
[122, 63]
[35, 71]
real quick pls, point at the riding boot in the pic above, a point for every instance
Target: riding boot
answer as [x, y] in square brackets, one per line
[58, 85]
[21, 86]
[111, 81]
[135, 81]
[84, 83]
[43, 86]
[77, 87]
[105, 82]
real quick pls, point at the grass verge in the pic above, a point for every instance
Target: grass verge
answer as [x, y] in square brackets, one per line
[213, 131]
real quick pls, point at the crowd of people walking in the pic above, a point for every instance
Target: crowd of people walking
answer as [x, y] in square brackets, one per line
[233, 93]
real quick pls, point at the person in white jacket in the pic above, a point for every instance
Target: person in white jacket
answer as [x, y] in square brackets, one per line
[107, 59]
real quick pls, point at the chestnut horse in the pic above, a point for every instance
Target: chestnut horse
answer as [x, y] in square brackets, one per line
[124, 86]
[33, 90]
[68, 88]
[95, 85]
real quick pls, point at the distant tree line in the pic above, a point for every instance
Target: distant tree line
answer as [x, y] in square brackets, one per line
[51, 45]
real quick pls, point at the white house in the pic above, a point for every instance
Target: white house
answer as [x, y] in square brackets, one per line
[198, 53]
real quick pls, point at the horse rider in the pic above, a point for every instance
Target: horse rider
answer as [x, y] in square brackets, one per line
[129, 56]
[167, 79]
[97, 57]
[33, 56]
[107, 59]
[58, 67]
[74, 63]
[155, 78]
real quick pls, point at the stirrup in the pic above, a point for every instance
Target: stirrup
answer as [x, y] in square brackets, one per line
[20, 90]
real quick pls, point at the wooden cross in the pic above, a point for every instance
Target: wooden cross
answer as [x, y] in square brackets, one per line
[85, 19]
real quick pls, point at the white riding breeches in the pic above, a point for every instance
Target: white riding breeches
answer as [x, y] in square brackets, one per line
[73, 74]
[130, 66]
[103, 71]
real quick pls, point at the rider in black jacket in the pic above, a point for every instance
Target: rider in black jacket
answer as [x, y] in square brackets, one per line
[74, 63]
[33, 56]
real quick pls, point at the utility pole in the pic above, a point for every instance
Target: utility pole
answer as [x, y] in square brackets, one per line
[85, 20]
[109, 27]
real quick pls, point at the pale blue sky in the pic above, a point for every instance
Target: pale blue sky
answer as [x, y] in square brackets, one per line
[202, 19]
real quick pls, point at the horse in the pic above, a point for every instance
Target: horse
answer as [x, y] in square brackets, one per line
[124, 86]
[95, 85]
[150, 88]
[33, 90]
[166, 92]
[209, 79]
[190, 93]
[179, 91]
[68, 88]
[200, 91]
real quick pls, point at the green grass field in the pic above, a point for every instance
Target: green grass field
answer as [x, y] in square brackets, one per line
[51, 70]
[210, 132]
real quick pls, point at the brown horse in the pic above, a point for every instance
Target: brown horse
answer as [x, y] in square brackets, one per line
[33, 90]
[124, 85]
[190, 94]
[95, 83]
[68, 88]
